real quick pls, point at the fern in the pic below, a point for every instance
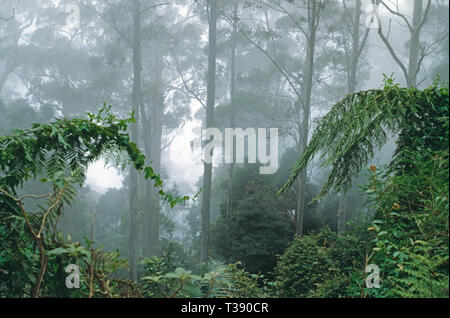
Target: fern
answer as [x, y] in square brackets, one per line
[349, 134]
[421, 275]
[62, 151]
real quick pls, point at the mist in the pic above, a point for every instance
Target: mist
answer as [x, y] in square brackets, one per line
[310, 73]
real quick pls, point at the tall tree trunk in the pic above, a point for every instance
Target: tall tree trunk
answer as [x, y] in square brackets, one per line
[153, 140]
[207, 175]
[306, 106]
[12, 59]
[420, 15]
[134, 134]
[342, 212]
[414, 44]
[352, 77]
[157, 119]
[232, 119]
[351, 88]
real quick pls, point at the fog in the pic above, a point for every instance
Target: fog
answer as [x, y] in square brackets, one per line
[264, 64]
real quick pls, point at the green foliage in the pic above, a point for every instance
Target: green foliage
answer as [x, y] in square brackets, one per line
[319, 265]
[158, 266]
[182, 283]
[221, 281]
[410, 199]
[243, 284]
[69, 144]
[411, 225]
[257, 231]
[425, 273]
[359, 124]
[61, 151]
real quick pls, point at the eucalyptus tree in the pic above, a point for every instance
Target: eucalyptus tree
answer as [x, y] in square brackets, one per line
[163, 110]
[232, 107]
[353, 40]
[417, 51]
[209, 122]
[299, 19]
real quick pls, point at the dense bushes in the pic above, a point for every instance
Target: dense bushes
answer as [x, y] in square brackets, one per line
[411, 227]
[319, 265]
[166, 277]
[408, 238]
[410, 200]
[257, 231]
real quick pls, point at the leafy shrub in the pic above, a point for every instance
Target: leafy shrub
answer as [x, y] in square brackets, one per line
[168, 262]
[319, 265]
[61, 151]
[242, 284]
[411, 226]
[256, 233]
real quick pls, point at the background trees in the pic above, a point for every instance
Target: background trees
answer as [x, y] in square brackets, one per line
[182, 66]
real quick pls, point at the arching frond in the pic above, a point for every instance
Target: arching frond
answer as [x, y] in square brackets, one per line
[358, 125]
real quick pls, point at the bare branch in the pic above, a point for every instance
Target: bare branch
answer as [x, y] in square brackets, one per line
[392, 51]
[185, 83]
[398, 14]
[153, 6]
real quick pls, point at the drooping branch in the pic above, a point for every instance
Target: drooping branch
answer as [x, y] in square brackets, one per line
[354, 128]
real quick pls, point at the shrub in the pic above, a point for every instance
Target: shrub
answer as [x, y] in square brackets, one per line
[319, 264]
[411, 226]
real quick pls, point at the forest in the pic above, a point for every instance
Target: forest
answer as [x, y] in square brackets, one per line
[224, 149]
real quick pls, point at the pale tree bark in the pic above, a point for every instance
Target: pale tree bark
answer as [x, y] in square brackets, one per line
[210, 101]
[134, 134]
[153, 126]
[232, 117]
[342, 212]
[357, 46]
[416, 52]
[315, 9]
[157, 120]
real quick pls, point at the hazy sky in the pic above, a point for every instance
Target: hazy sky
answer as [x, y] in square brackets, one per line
[184, 165]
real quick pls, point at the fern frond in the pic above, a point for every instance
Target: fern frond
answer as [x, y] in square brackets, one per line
[348, 136]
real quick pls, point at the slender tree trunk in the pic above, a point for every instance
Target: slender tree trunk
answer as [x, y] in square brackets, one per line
[351, 88]
[414, 44]
[148, 192]
[134, 133]
[232, 119]
[355, 49]
[153, 139]
[12, 59]
[300, 203]
[157, 120]
[306, 106]
[411, 70]
[207, 175]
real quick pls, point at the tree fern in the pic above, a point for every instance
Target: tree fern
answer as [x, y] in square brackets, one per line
[355, 127]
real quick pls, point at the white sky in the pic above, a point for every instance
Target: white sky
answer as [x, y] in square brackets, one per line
[102, 178]
[182, 163]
